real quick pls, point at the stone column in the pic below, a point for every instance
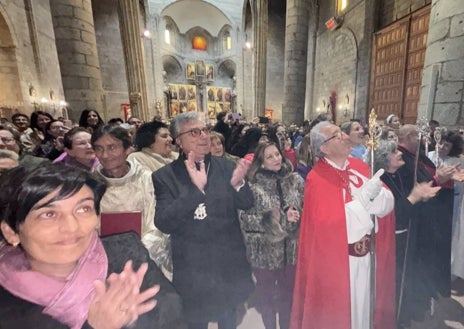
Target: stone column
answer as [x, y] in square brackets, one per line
[77, 53]
[260, 32]
[311, 59]
[296, 46]
[133, 53]
[443, 79]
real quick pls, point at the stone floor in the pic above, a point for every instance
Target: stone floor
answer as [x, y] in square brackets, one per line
[449, 311]
[449, 314]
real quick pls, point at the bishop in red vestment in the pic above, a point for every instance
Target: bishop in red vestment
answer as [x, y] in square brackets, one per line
[333, 265]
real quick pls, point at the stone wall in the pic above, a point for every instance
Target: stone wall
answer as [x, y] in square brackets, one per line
[442, 93]
[275, 65]
[29, 57]
[77, 51]
[111, 57]
[392, 10]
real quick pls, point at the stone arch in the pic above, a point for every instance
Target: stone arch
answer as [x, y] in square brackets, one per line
[183, 8]
[200, 31]
[227, 69]
[173, 68]
[10, 82]
[226, 32]
[170, 25]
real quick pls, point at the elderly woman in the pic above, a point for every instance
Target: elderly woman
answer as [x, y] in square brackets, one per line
[55, 272]
[355, 132]
[129, 188]
[408, 274]
[218, 147]
[270, 229]
[10, 140]
[78, 150]
[153, 142]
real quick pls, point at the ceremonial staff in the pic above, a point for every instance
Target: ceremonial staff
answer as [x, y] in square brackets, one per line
[373, 143]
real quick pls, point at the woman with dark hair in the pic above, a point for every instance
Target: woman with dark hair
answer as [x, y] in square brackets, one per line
[32, 138]
[91, 120]
[448, 152]
[55, 272]
[153, 143]
[278, 134]
[52, 145]
[129, 188]
[270, 230]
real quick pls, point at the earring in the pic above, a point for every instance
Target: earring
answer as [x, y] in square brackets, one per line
[15, 244]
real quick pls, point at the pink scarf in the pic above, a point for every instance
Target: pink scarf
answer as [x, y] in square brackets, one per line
[66, 301]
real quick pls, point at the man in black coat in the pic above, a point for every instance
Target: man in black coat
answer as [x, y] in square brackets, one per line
[197, 197]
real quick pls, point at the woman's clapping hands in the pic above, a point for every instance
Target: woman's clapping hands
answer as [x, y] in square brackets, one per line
[118, 302]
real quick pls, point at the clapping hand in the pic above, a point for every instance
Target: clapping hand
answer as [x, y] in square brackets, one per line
[445, 173]
[118, 302]
[239, 173]
[198, 176]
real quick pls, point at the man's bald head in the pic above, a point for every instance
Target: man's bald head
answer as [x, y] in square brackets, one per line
[408, 137]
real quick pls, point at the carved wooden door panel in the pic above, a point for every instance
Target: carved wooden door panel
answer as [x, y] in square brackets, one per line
[396, 68]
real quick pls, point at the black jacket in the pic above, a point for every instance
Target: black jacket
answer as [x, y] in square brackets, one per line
[211, 272]
[21, 314]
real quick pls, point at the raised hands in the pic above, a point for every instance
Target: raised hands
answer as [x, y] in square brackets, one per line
[239, 173]
[445, 173]
[118, 302]
[423, 192]
[199, 177]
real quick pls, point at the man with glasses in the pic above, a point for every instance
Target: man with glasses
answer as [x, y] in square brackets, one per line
[332, 284]
[197, 197]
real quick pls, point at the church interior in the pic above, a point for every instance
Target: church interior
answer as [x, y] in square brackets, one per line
[288, 60]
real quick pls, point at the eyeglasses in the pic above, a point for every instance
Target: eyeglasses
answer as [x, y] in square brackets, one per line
[338, 135]
[195, 132]
[7, 140]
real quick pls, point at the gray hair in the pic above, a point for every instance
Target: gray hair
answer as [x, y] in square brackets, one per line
[382, 154]
[346, 127]
[317, 138]
[180, 120]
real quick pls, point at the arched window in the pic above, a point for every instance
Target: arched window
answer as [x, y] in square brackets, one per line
[167, 34]
[227, 41]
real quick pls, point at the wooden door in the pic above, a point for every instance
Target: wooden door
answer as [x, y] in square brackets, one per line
[396, 70]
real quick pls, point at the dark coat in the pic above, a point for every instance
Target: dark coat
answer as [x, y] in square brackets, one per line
[430, 236]
[211, 272]
[18, 313]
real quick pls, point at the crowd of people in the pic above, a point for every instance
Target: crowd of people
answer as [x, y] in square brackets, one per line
[289, 220]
